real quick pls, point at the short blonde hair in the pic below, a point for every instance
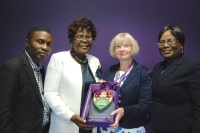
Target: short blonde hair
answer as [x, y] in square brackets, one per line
[120, 38]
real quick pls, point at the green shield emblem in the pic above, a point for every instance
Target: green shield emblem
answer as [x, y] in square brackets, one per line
[102, 99]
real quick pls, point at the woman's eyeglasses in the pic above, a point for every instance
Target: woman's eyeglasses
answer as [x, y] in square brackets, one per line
[81, 38]
[169, 41]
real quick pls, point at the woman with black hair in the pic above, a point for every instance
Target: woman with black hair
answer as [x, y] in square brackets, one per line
[69, 74]
[176, 87]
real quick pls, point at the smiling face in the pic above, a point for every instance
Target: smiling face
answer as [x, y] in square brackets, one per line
[81, 47]
[169, 51]
[123, 51]
[39, 46]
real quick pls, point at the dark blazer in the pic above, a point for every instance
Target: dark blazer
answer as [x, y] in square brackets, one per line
[135, 94]
[176, 107]
[21, 107]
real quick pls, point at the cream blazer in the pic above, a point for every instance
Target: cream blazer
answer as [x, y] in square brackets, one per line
[62, 90]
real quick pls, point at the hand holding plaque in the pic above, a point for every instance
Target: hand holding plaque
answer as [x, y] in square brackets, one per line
[102, 99]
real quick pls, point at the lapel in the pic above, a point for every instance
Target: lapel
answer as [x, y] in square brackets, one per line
[93, 68]
[134, 71]
[30, 74]
[110, 74]
[170, 69]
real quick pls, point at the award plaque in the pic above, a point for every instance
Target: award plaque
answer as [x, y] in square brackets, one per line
[101, 100]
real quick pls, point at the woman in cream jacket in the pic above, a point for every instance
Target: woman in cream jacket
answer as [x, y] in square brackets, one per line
[68, 77]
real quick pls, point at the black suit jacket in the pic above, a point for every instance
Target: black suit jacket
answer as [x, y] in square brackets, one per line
[21, 107]
[176, 107]
[135, 95]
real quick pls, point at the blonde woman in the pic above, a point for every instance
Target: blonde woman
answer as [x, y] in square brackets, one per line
[135, 92]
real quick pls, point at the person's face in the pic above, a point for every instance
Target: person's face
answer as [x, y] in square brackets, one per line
[169, 51]
[39, 46]
[81, 47]
[123, 51]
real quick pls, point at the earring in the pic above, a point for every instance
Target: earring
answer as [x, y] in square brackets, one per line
[182, 50]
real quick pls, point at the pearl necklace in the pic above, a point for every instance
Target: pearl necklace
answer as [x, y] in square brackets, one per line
[78, 59]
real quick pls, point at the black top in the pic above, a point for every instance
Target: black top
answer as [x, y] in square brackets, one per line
[87, 78]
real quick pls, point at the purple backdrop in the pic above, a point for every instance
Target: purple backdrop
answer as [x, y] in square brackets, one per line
[142, 19]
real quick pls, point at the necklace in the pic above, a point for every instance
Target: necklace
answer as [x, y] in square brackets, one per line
[77, 58]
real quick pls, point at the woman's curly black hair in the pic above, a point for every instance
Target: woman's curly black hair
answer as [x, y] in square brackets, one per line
[84, 23]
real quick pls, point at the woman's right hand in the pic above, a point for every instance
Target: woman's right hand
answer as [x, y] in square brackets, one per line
[81, 123]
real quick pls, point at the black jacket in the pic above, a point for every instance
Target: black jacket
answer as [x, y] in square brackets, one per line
[176, 107]
[21, 107]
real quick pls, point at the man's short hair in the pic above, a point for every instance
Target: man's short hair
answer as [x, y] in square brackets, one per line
[31, 31]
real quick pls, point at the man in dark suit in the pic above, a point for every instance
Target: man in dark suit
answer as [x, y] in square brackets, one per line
[23, 108]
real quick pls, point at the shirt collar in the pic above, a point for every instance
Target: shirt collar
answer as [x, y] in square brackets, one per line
[33, 64]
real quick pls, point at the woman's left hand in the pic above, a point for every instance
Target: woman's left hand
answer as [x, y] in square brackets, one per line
[119, 114]
[101, 81]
